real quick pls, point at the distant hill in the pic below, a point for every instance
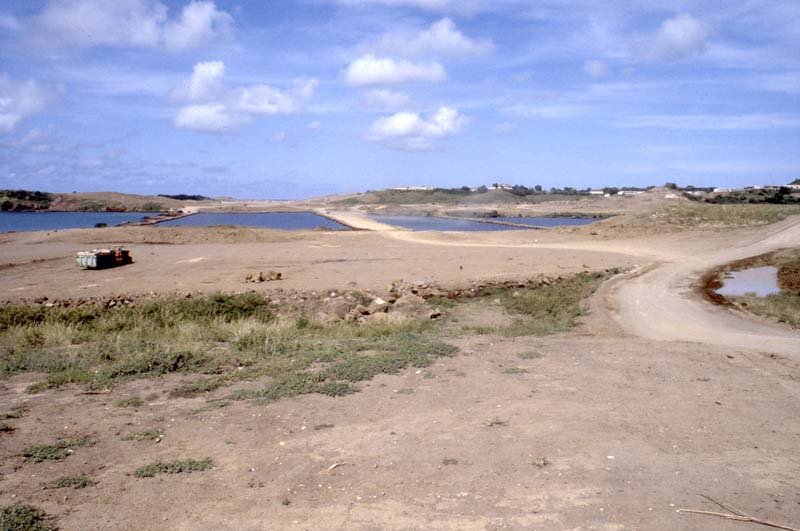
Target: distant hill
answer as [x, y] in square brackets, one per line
[22, 200]
[447, 196]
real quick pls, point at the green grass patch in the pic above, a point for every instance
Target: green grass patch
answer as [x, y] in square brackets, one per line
[547, 309]
[133, 401]
[71, 482]
[780, 307]
[515, 370]
[530, 355]
[221, 340]
[224, 339]
[181, 466]
[54, 452]
[22, 517]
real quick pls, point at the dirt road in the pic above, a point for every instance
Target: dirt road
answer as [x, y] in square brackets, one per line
[662, 302]
[659, 300]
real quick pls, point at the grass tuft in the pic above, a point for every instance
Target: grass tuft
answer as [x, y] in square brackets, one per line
[54, 452]
[71, 482]
[133, 401]
[181, 466]
[147, 435]
[780, 307]
[16, 413]
[22, 517]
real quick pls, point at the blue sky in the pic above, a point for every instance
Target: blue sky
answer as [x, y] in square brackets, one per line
[286, 99]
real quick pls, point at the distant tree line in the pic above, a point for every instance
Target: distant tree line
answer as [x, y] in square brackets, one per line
[779, 196]
[185, 197]
[16, 200]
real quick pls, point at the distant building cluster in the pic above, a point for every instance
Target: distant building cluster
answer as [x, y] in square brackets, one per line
[609, 191]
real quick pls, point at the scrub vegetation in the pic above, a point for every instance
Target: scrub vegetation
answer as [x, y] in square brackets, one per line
[22, 517]
[224, 339]
[221, 338]
[706, 216]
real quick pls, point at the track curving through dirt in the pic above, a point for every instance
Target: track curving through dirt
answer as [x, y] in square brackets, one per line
[659, 300]
[662, 303]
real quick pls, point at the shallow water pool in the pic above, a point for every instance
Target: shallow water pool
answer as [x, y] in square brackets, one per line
[264, 220]
[761, 281]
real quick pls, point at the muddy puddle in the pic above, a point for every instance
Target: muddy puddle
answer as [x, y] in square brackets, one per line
[761, 281]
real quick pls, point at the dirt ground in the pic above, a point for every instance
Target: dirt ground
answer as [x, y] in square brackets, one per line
[652, 403]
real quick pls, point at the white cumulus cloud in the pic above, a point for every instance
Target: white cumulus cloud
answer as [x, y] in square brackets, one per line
[677, 38]
[206, 82]
[212, 107]
[264, 99]
[207, 118]
[371, 70]
[412, 132]
[199, 22]
[442, 37]
[19, 100]
[126, 23]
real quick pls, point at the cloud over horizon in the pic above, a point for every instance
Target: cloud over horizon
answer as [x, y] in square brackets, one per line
[21, 99]
[126, 23]
[409, 131]
[215, 108]
[371, 70]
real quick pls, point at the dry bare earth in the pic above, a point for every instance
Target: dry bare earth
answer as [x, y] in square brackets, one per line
[609, 427]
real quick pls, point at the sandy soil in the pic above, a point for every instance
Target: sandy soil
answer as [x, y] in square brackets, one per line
[35, 265]
[616, 426]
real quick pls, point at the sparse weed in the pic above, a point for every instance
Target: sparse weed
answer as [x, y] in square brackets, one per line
[530, 355]
[22, 517]
[181, 466]
[54, 452]
[16, 413]
[133, 401]
[780, 307]
[147, 435]
[541, 462]
[71, 482]
[515, 370]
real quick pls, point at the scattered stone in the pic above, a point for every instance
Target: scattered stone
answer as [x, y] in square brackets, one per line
[255, 277]
[258, 276]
